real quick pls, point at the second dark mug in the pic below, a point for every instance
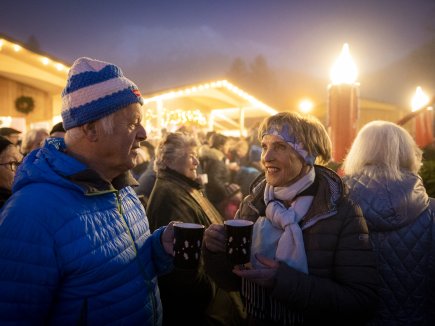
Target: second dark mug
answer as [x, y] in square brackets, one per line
[187, 245]
[238, 241]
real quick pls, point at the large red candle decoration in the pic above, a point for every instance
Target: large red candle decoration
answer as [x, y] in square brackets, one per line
[343, 105]
[424, 128]
[423, 121]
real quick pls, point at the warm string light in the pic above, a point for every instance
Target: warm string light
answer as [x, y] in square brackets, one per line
[44, 60]
[177, 117]
[216, 84]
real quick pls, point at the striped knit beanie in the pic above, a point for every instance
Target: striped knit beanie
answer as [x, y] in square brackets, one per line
[94, 90]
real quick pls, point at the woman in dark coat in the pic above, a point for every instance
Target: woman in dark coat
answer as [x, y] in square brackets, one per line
[188, 297]
[311, 260]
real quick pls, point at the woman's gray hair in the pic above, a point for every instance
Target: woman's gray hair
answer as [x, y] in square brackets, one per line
[307, 129]
[30, 138]
[383, 149]
[173, 147]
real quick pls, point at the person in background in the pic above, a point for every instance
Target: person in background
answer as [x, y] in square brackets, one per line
[10, 159]
[146, 183]
[381, 171]
[311, 261]
[10, 134]
[188, 297]
[76, 248]
[33, 139]
[213, 163]
[242, 172]
[58, 131]
[146, 156]
[232, 200]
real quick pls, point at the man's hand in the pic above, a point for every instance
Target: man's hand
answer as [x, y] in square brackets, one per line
[168, 238]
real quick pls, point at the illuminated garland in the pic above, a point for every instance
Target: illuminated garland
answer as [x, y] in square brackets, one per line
[189, 117]
[178, 117]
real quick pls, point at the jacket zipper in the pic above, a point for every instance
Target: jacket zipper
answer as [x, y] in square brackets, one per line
[147, 284]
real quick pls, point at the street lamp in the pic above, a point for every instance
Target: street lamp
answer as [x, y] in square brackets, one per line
[423, 121]
[343, 106]
[306, 106]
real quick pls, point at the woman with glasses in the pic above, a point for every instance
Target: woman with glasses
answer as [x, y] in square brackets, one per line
[10, 158]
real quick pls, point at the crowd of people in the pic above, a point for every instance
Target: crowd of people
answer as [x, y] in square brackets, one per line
[87, 215]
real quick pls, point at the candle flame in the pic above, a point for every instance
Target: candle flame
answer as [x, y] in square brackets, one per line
[344, 70]
[419, 99]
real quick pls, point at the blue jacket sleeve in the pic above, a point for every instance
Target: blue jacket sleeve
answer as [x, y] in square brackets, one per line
[162, 261]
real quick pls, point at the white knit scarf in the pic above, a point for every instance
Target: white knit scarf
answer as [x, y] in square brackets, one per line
[278, 234]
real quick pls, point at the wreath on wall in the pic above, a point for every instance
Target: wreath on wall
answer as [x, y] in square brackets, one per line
[25, 104]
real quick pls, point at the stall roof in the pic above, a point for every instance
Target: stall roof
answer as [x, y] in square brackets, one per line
[31, 68]
[226, 105]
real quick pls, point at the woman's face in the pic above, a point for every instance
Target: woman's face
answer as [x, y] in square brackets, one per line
[282, 164]
[187, 164]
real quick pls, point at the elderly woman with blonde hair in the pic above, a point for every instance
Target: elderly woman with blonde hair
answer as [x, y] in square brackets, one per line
[381, 171]
[311, 261]
[188, 297]
[33, 139]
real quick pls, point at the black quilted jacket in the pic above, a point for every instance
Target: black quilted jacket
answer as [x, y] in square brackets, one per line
[401, 221]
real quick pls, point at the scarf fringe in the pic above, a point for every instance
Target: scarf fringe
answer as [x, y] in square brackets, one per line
[262, 306]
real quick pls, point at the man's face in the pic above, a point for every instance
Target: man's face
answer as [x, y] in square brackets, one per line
[119, 150]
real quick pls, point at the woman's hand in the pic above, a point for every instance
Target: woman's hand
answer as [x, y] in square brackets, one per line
[214, 238]
[168, 238]
[263, 276]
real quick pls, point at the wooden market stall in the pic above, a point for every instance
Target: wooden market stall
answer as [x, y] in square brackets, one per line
[217, 105]
[30, 86]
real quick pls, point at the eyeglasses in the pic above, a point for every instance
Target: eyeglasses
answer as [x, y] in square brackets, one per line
[13, 166]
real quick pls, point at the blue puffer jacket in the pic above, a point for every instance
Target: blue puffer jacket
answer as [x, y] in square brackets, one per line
[75, 250]
[401, 221]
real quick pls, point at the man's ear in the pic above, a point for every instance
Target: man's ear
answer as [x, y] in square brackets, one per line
[90, 131]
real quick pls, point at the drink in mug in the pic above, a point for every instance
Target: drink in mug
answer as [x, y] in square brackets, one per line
[187, 245]
[238, 240]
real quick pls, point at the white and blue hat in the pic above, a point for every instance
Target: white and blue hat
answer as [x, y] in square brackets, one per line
[94, 90]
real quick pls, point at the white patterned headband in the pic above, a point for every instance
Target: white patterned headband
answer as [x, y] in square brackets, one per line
[290, 139]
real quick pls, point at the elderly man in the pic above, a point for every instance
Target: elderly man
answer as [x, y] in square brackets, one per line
[75, 242]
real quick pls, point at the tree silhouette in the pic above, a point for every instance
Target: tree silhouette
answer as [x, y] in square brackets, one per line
[238, 72]
[256, 77]
[32, 44]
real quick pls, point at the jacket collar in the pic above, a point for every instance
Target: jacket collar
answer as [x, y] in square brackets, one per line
[169, 173]
[91, 182]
